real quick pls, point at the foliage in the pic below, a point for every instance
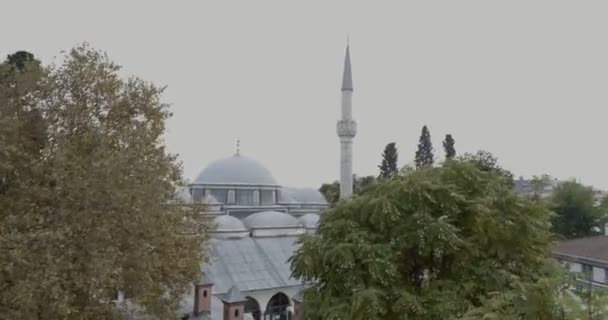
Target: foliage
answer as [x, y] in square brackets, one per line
[388, 167]
[19, 60]
[538, 184]
[84, 211]
[331, 191]
[22, 128]
[448, 146]
[428, 244]
[424, 154]
[486, 162]
[575, 212]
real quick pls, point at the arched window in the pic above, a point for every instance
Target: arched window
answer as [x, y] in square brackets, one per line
[231, 197]
[253, 307]
[278, 308]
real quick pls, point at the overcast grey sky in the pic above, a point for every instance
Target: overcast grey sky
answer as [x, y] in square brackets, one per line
[525, 80]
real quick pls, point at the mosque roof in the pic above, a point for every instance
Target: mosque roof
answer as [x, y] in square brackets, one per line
[210, 200]
[234, 295]
[236, 170]
[302, 195]
[183, 194]
[271, 219]
[226, 223]
[251, 263]
[310, 220]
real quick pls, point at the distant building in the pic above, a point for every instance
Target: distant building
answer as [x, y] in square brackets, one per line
[524, 186]
[588, 256]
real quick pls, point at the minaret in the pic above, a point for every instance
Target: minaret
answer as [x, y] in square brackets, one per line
[347, 129]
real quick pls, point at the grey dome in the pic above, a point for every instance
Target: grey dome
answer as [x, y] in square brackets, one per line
[305, 195]
[286, 197]
[183, 194]
[271, 219]
[310, 220]
[210, 200]
[226, 223]
[236, 170]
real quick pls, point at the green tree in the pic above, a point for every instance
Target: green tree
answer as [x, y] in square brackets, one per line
[575, 212]
[19, 60]
[448, 146]
[424, 154]
[363, 184]
[429, 244]
[486, 162]
[538, 184]
[388, 167]
[331, 191]
[88, 214]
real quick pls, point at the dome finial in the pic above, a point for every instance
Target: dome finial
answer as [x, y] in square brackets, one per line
[238, 147]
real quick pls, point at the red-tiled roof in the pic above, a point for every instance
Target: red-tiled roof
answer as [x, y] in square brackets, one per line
[595, 248]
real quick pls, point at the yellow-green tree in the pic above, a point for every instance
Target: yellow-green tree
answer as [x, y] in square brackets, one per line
[86, 212]
[449, 242]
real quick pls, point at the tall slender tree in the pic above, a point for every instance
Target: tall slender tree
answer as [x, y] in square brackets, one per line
[448, 146]
[388, 167]
[424, 154]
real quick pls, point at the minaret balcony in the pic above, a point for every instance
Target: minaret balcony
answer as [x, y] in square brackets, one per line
[347, 128]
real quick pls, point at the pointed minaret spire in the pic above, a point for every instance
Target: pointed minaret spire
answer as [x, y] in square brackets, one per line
[347, 129]
[347, 77]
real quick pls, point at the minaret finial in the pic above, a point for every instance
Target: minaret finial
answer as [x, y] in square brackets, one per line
[238, 147]
[347, 77]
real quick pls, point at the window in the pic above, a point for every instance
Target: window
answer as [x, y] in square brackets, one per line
[256, 197]
[244, 197]
[588, 271]
[266, 197]
[236, 312]
[231, 197]
[205, 293]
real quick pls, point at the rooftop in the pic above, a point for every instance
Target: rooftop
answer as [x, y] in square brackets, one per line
[590, 248]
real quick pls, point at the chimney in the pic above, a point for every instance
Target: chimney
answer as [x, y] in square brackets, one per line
[202, 298]
[234, 304]
[297, 306]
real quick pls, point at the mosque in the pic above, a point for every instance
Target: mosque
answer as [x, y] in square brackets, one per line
[258, 222]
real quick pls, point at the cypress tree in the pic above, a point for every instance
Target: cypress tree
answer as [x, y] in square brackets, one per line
[388, 167]
[424, 154]
[448, 146]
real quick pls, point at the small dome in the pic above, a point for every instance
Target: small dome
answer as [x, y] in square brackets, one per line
[210, 200]
[236, 170]
[226, 223]
[183, 194]
[286, 197]
[310, 220]
[271, 219]
[306, 195]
